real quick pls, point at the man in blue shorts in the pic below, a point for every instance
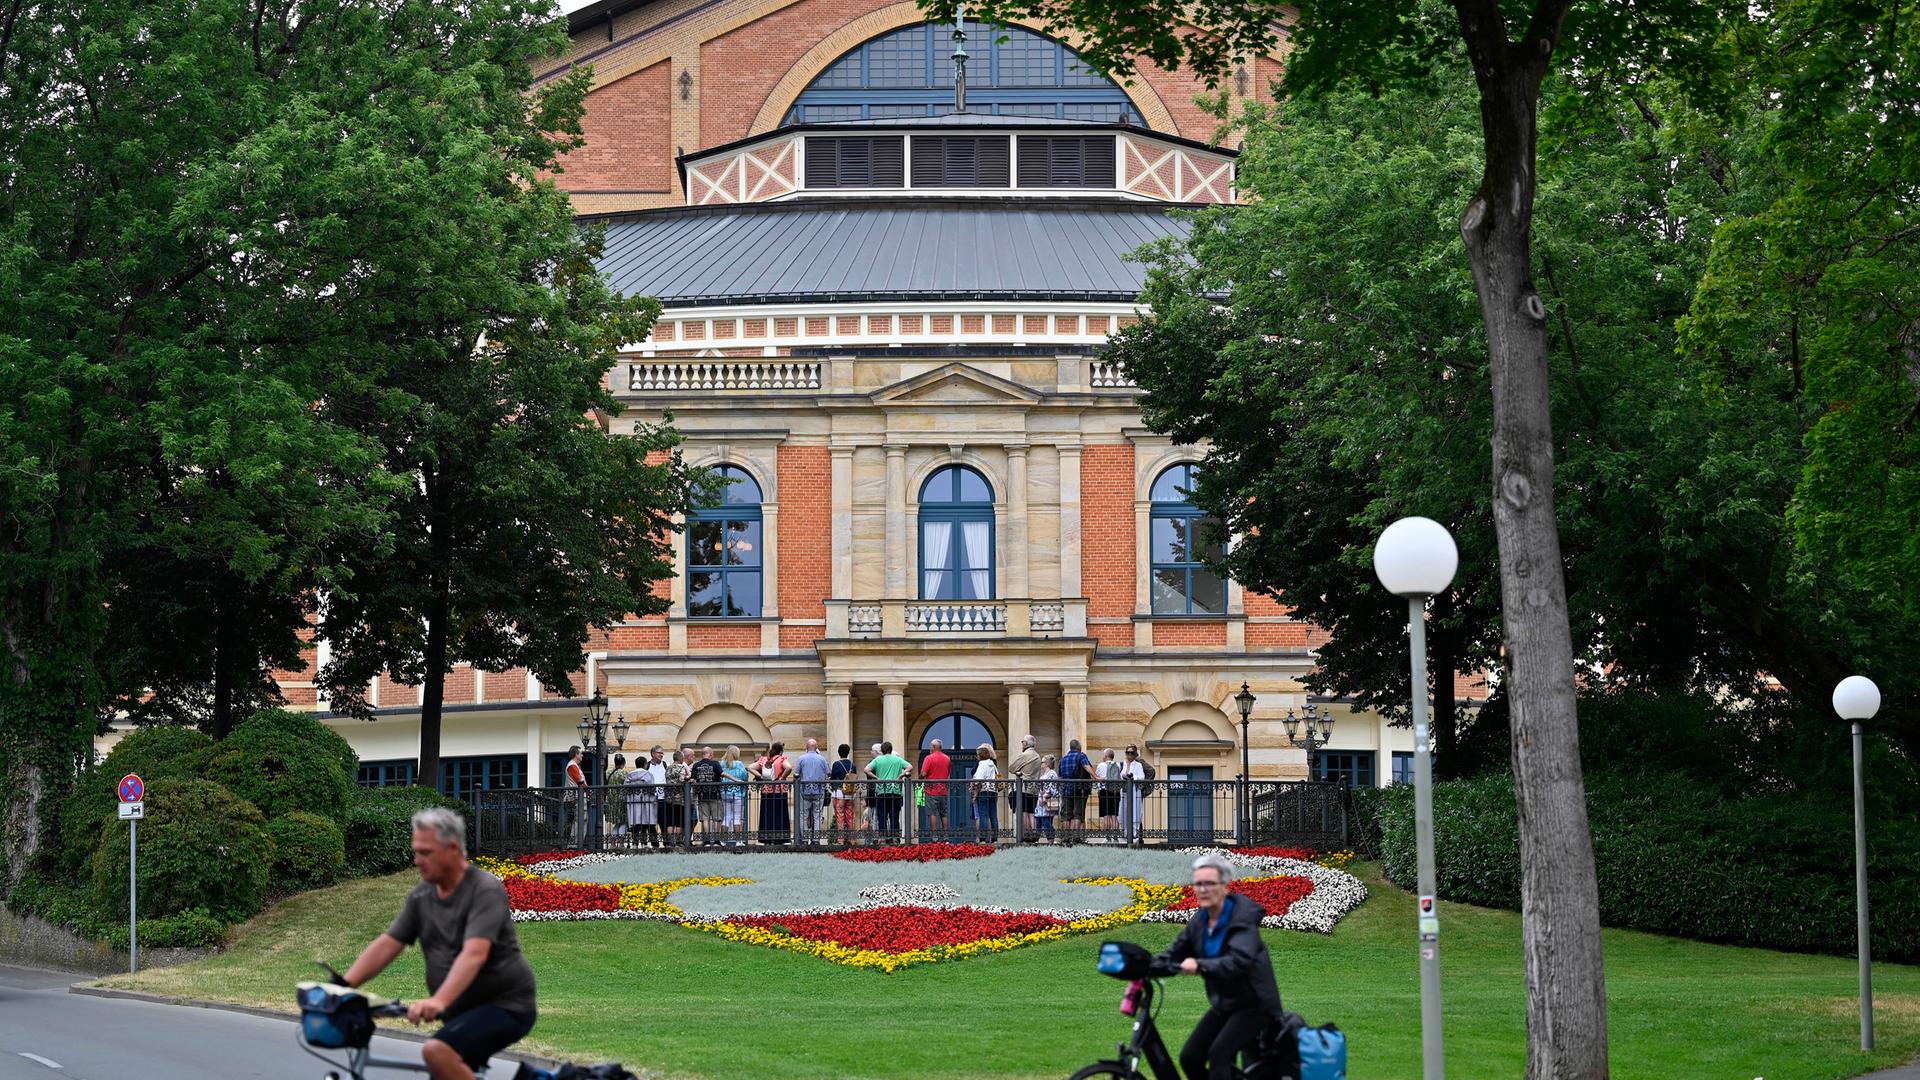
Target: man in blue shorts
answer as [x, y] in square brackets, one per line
[481, 985]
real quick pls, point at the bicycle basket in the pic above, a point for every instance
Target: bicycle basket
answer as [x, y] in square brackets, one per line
[333, 1017]
[1124, 960]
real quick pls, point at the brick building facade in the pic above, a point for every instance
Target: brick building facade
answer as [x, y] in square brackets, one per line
[885, 319]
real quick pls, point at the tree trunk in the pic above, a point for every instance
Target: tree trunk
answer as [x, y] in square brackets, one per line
[434, 689]
[1445, 659]
[225, 652]
[1559, 896]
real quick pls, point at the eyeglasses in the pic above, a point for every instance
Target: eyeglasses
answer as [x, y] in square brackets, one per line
[1208, 884]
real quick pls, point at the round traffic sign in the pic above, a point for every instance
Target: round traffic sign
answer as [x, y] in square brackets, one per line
[131, 788]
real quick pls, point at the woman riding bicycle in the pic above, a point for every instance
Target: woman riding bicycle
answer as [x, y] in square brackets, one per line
[1222, 944]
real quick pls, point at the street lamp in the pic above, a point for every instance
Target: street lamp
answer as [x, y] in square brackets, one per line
[1244, 699]
[1415, 558]
[593, 739]
[1857, 699]
[1319, 732]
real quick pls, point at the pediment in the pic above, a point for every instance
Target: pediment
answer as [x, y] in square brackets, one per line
[955, 384]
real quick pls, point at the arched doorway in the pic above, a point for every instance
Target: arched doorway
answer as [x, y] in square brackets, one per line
[960, 733]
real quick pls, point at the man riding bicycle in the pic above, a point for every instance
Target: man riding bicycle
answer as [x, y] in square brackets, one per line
[480, 982]
[1222, 944]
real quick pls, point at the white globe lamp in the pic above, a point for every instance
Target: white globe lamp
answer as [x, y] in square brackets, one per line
[1415, 556]
[1856, 698]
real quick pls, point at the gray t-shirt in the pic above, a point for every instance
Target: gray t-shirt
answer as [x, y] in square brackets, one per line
[477, 909]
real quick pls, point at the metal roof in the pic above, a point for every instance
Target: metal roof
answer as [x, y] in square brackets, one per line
[888, 248]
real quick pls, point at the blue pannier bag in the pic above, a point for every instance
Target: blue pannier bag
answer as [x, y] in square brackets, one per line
[1323, 1053]
[334, 1017]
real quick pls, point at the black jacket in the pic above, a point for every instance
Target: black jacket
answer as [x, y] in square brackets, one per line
[1241, 977]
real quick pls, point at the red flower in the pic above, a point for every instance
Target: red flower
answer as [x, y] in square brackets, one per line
[1301, 853]
[548, 856]
[915, 853]
[1276, 894]
[537, 894]
[903, 928]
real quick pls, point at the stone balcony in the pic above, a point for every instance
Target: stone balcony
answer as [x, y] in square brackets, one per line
[961, 620]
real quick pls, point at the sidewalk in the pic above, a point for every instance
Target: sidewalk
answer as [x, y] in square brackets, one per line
[1904, 1072]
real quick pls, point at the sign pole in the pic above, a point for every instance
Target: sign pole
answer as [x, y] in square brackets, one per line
[133, 896]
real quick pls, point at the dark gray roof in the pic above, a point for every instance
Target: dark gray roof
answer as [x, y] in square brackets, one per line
[884, 249]
[967, 120]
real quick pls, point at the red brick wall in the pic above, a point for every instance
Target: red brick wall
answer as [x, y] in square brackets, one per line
[731, 638]
[392, 693]
[806, 531]
[1106, 538]
[628, 145]
[1275, 635]
[508, 685]
[738, 69]
[459, 689]
[628, 638]
[1262, 604]
[801, 637]
[1189, 633]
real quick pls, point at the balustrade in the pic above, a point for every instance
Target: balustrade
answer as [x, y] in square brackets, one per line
[677, 376]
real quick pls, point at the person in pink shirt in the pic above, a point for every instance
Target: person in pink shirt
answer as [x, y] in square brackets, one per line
[935, 769]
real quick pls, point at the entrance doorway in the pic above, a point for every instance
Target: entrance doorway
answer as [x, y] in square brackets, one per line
[960, 734]
[1190, 804]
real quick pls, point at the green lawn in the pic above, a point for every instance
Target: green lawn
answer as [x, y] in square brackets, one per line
[672, 1002]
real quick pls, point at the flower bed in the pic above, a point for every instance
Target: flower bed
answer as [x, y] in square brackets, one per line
[904, 928]
[1276, 894]
[915, 853]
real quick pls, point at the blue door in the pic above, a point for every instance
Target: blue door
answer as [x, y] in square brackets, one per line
[1189, 804]
[960, 737]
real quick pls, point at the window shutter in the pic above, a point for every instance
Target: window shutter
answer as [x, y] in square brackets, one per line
[960, 161]
[1066, 161]
[856, 161]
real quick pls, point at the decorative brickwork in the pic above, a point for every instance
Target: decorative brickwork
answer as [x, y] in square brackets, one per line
[1003, 324]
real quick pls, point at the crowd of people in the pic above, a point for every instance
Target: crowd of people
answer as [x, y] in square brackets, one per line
[698, 796]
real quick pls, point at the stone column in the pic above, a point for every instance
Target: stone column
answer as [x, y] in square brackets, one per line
[1019, 722]
[1073, 715]
[893, 715]
[897, 522]
[1070, 522]
[839, 715]
[1018, 577]
[843, 522]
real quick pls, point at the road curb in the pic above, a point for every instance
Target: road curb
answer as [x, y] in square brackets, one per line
[288, 1015]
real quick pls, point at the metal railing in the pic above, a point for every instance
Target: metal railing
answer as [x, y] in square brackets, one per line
[789, 814]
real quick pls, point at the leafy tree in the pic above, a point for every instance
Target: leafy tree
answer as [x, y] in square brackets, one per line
[1510, 47]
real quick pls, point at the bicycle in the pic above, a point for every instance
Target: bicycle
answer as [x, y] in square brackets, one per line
[1144, 972]
[335, 1016]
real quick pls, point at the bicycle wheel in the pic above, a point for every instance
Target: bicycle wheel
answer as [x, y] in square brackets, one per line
[1114, 1070]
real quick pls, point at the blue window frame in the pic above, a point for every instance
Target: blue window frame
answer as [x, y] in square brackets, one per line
[909, 72]
[1353, 768]
[956, 536]
[463, 777]
[1181, 550]
[394, 773]
[724, 548]
[1403, 766]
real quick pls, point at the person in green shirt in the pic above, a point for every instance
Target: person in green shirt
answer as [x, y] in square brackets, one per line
[888, 795]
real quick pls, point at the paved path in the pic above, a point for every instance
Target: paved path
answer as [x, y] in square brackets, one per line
[49, 1034]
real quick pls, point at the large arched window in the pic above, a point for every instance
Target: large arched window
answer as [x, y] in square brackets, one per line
[909, 72]
[1182, 582]
[956, 535]
[724, 549]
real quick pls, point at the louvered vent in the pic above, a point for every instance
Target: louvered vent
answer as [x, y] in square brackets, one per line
[960, 161]
[1066, 161]
[856, 161]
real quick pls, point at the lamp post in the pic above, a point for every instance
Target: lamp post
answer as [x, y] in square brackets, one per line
[593, 739]
[1416, 558]
[1244, 699]
[1857, 699]
[1319, 732]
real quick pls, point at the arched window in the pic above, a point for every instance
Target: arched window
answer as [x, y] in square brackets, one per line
[723, 551]
[956, 535]
[909, 72]
[960, 734]
[1181, 550]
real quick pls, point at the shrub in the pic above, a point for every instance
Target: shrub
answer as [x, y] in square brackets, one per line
[161, 754]
[282, 763]
[379, 826]
[308, 851]
[1364, 833]
[1772, 869]
[201, 847]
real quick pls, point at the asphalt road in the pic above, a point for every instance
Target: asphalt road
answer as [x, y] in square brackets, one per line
[49, 1034]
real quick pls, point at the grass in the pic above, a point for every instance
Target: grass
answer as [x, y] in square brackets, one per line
[674, 1003]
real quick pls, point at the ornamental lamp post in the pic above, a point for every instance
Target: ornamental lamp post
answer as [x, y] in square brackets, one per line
[1244, 699]
[1857, 699]
[593, 739]
[1319, 732]
[1416, 558]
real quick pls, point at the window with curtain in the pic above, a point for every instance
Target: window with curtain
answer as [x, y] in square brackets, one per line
[1181, 549]
[724, 551]
[956, 536]
[1012, 71]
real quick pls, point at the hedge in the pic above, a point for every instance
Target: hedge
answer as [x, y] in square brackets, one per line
[379, 826]
[308, 851]
[68, 907]
[1768, 869]
[160, 755]
[282, 763]
[201, 848]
